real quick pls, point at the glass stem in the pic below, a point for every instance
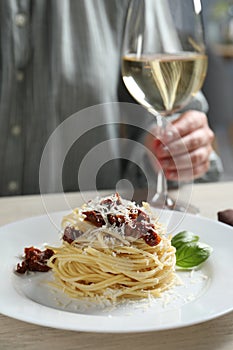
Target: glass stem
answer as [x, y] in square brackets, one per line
[160, 198]
[161, 180]
[161, 184]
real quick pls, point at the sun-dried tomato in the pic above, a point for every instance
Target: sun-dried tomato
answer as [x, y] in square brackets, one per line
[151, 238]
[94, 217]
[138, 214]
[70, 234]
[117, 220]
[35, 260]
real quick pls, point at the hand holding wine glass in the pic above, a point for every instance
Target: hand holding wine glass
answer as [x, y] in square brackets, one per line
[164, 64]
[194, 132]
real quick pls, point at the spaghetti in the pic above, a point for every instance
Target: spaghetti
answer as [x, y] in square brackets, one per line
[112, 250]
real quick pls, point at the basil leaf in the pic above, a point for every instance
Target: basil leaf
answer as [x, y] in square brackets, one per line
[182, 238]
[192, 254]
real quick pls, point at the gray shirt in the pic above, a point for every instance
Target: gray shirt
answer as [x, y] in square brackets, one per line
[45, 79]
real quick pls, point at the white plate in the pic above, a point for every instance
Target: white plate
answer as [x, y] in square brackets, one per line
[206, 293]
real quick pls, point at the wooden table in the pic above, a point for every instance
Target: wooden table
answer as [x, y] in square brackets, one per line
[215, 334]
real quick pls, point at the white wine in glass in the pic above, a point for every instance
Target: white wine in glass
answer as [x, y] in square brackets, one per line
[164, 63]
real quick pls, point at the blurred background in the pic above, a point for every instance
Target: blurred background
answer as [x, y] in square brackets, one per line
[218, 87]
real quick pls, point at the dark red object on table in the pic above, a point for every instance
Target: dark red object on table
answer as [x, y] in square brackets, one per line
[226, 216]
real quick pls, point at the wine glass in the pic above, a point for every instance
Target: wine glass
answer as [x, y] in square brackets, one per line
[164, 65]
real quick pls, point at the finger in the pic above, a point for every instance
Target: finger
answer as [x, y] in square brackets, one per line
[187, 174]
[197, 139]
[188, 122]
[193, 159]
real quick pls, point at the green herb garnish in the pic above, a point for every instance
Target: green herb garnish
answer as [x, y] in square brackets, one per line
[189, 251]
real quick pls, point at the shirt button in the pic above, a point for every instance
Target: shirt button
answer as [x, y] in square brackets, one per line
[19, 75]
[16, 130]
[20, 19]
[13, 186]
